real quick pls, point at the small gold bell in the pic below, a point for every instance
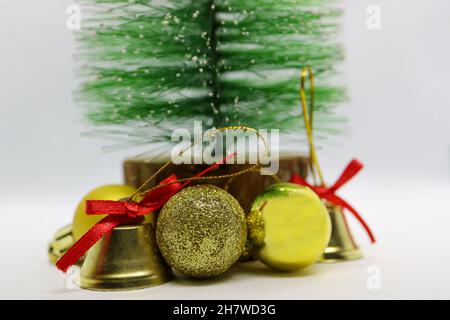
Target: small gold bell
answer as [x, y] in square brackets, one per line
[342, 246]
[126, 259]
[62, 241]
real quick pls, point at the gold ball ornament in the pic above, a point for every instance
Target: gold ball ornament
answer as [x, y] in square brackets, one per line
[201, 231]
[289, 227]
[83, 222]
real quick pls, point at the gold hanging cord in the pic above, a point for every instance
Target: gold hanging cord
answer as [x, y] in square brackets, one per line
[308, 116]
[139, 193]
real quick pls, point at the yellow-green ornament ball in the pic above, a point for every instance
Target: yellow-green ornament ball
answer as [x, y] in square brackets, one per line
[83, 222]
[289, 227]
[201, 231]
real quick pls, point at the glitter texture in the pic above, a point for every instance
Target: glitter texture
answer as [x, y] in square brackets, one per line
[201, 231]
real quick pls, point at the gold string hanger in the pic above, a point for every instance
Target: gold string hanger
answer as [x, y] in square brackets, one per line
[308, 116]
[139, 193]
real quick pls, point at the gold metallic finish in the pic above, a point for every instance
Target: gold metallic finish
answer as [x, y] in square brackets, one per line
[62, 241]
[201, 231]
[342, 246]
[125, 259]
[83, 222]
[292, 229]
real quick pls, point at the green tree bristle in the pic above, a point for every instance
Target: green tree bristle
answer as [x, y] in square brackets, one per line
[233, 62]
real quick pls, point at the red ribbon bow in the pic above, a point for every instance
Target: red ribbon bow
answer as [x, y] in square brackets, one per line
[329, 194]
[152, 202]
[122, 212]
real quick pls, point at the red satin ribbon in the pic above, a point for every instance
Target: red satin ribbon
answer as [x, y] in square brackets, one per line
[122, 212]
[329, 194]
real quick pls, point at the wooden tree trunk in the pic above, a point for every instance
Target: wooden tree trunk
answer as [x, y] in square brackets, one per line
[244, 188]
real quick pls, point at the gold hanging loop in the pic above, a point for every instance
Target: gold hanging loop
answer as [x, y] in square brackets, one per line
[308, 115]
[139, 193]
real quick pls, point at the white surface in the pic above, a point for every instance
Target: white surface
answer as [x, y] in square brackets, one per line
[412, 255]
[399, 127]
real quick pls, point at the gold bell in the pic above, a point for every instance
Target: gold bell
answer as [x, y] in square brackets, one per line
[125, 259]
[342, 246]
[62, 241]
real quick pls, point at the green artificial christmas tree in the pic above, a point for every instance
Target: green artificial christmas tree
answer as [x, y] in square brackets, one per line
[149, 67]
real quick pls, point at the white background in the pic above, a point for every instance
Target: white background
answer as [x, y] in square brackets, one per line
[399, 127]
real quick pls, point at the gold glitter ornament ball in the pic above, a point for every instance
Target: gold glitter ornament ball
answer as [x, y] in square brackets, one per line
[201, 231]
[289, 227]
